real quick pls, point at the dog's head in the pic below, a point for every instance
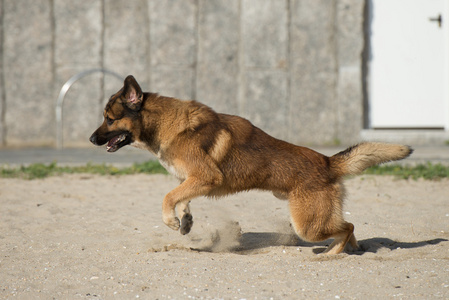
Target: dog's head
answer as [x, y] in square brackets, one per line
[120, 114]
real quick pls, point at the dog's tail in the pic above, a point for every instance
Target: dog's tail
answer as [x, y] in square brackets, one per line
[356, 159]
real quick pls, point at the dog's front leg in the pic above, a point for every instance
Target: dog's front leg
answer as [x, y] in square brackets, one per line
[190, 188]
[183, 211]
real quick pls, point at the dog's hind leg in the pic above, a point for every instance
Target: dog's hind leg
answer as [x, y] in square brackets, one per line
[353, 243]
[317, 216]
[341, 239]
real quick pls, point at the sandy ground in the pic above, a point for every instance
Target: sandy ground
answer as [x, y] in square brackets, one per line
[94, 237]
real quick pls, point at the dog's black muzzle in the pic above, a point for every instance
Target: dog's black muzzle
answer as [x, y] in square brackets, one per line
[93, 139]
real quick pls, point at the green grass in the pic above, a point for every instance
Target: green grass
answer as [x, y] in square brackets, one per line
[39, 170]
[426, 171]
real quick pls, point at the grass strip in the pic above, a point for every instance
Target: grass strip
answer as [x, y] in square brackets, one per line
[39, 170]
[426, 171]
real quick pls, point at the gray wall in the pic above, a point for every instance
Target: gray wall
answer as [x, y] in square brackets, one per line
[293, 67]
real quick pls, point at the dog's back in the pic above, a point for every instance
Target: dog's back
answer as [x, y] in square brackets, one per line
[258, 160]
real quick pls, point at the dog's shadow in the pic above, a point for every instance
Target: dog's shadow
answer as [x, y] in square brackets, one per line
[373, 245]
[254, 242]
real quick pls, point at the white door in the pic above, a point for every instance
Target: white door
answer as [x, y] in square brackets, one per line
[409, 66]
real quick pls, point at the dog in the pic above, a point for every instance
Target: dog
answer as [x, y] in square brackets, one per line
[214, 154]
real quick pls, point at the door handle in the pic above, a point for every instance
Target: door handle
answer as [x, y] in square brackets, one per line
[438, 19]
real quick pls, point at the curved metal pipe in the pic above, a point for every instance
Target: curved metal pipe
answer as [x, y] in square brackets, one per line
[65, 88]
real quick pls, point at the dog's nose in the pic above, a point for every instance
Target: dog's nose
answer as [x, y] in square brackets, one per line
[93, 139]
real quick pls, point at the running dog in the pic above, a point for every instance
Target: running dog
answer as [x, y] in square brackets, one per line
[214, 154]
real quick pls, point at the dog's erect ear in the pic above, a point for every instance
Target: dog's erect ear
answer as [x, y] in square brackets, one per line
[132, 93]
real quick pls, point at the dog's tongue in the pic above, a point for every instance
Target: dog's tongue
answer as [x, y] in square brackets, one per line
[112, 144]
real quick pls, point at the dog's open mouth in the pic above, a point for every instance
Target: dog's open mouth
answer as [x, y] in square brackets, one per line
[117, 142]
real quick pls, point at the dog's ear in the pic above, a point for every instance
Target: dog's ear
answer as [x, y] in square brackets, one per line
[132, 93]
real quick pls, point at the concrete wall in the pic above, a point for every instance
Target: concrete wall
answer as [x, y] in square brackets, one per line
[293, 67]
[2, 84]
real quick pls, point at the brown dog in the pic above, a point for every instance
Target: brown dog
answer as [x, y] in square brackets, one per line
[216, 154]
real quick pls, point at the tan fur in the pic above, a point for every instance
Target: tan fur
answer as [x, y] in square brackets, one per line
[217, 154]
[355, 160]
[221, 146]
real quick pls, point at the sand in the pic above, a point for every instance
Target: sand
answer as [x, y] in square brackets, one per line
[102, 237]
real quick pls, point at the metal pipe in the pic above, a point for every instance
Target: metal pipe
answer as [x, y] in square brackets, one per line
[60, 101]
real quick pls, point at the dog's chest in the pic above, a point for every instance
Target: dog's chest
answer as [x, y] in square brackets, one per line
[167, 165]
[172, 169]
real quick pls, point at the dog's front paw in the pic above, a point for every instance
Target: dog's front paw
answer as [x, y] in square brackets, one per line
[172, 222]
[186, 223]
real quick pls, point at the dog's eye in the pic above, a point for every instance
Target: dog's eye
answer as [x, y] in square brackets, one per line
[109, 121]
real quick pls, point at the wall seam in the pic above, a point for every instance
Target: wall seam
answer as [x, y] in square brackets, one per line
[147, 46]
[2, 79]
[241, 103]
[334, 33]
[196, 30]
[53, 42]
[150, 65]
[102, 51]
[53, 54]
[365, 64]
[289, 73]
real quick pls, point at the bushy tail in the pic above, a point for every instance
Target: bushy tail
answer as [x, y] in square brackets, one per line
[357, 158]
